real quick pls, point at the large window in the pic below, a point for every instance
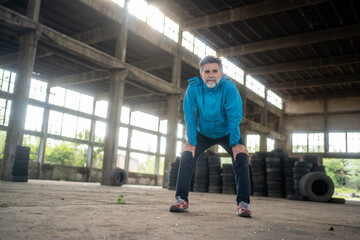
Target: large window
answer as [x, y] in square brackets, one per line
[308, 142]
[144, 120]
[38, 90]
[270, 144]
[34, 117]
[255, 86]
[353, 142]
[274, 99]
[7, 81]
[253, 143]
[5, 106]
[337, 142]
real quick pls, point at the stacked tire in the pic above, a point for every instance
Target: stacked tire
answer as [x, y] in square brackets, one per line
[314, 161]
[20, 167]
[174, 169]
[283, 158]
[228, 179]
[258, 175]
[201, 181]
[300, 169]
[288, 166]
[274, 177]
[214, 174]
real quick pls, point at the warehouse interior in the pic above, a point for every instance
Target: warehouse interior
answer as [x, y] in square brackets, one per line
[108, 77]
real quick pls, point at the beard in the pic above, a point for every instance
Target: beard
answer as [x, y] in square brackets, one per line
[211, 82]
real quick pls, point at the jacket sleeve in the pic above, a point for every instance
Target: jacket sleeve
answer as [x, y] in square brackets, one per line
[191, 115]
[234, 112]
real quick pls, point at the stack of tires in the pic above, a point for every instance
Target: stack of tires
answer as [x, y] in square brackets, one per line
[201, 181]
[283, 157]
[20, 167]
[300, 169]
[258, 175]
[174, 169]
[228, 179]
[274, 177]
[314, 161]
[288, 166]
[214, 174]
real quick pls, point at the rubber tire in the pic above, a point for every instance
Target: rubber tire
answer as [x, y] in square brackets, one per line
[337, 200]
[118, 177]
[311, 183]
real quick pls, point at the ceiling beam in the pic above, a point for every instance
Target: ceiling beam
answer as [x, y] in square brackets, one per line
[151, 80]
[154, 63]
[14, 19]
[99, 34]
[246, 12]
[315, 82]
[305, 64]
[341, 94]
[291, 41]
[80, 78]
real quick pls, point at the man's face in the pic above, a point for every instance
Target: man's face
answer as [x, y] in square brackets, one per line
[211, 74]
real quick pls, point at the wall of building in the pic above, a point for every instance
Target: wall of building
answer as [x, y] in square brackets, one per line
[339, 114]
[81, 174]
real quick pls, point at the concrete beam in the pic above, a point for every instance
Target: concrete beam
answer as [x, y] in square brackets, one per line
[257, 127]
[151, 80]
[291, 41]
[305, 64]
[99, 34]
[246, 12]
[154, 63]
[342, 94]
[61, 41]
[317, 82]
[13, 19]
[80, 78]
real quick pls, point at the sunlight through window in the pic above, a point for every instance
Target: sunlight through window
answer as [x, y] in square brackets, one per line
[171, 29]
[255, 86]
[199, 48]
[188, 41]
[139, 8]
[253, 142]
[353, 142]
[337, 142]
[299, 142]
[274, 99]
[155, 19]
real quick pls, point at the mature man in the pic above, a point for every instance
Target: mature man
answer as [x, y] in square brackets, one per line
[213, 112]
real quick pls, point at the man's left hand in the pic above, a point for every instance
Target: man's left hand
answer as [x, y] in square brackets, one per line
[239, 149]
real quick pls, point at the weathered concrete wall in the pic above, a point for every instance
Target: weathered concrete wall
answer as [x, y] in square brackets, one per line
[343, 114]
[81, 174]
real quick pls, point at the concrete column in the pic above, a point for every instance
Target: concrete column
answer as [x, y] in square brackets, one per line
[263, 136]
[326, 130]
[127, 157]
[25, 67]
[172, 116]
[173, 112]
[117, 85]
[90, 151]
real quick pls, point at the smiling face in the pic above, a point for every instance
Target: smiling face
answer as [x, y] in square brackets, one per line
[211, 74]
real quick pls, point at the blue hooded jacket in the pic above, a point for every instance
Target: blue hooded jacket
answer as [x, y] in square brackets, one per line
[214, 112]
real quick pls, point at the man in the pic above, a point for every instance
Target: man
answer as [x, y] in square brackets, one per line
[213, 112]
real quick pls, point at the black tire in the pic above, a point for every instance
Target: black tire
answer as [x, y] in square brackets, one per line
[316, 186]
[118, 177]
[337, 200]
[19, 178]
[303, 164]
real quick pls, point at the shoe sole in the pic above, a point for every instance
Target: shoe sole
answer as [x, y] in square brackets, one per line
[244, 214]
[176, 209]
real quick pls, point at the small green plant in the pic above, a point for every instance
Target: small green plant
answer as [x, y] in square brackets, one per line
[120, 199]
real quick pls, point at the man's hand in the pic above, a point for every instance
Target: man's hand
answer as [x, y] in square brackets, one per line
[188, 148]
[239, 149]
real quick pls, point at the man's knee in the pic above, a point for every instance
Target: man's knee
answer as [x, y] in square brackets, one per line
[242, 158]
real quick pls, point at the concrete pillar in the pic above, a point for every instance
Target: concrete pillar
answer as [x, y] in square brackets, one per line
[173, 112]
[263, 136]
[117, 85]
[25, 67]
[90, 151]
[326, 130]
[173, 116]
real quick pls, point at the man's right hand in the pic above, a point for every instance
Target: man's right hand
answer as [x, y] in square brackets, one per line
[188, 148]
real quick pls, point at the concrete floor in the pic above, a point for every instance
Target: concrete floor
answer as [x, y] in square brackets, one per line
[73, 210]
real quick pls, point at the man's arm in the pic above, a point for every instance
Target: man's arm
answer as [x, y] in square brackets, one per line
[191, 116]
[234, 112]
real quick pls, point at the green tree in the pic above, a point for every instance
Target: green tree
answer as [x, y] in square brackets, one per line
[335, 169]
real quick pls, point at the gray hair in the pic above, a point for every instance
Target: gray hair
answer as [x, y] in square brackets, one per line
[210, 59]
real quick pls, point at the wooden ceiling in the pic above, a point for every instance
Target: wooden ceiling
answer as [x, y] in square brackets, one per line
[299, 49]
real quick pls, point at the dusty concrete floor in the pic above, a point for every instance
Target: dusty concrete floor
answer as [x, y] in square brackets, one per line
[68, 210]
